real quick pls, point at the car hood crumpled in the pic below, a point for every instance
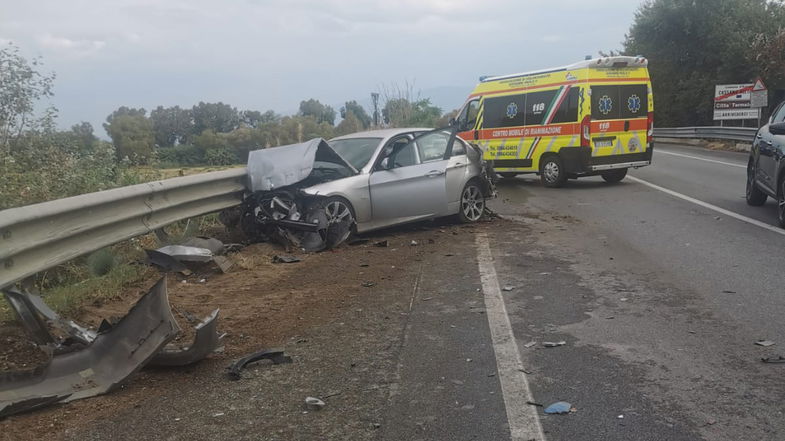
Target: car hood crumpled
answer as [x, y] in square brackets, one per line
[277, 167]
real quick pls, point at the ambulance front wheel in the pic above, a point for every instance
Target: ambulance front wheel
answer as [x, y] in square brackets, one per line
[552, 172]
[614, 176]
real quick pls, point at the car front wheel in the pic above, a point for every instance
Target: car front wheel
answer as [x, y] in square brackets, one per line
[472, 203]
[754, 194]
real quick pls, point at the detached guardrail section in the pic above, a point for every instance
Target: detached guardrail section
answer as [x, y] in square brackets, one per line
[745, 134]
[37, 237]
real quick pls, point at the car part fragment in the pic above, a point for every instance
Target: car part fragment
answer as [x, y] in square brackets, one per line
[277, 356]
[101, 366]
[205, 343]
[34, 314]
[173, 257]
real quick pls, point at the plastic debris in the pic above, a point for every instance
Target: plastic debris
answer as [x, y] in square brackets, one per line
[382, 244]
[778, 359]
[314, 403]
[558, 407]
[553, 344]
[285, 259]
[414, 243]
[530, 344]
[508, 288]
[368, 284]
[765, 343]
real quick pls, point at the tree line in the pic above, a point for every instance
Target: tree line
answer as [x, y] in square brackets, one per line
[693, 45]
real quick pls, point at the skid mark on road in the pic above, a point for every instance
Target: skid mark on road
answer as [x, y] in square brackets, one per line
[701, 159]
[713, 207]
[521, 416]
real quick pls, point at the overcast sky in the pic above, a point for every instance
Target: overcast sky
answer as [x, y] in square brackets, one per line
[271, 54]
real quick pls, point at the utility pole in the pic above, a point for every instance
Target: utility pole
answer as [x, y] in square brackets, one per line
[375, 99]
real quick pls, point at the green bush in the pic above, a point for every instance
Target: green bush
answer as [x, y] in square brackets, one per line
[101, 262]
[220, 156]
[180, 155]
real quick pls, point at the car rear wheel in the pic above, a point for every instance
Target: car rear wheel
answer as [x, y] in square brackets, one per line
[781, 204]
[754, 194]
[614, 176]
[472, 203]
[552, 172]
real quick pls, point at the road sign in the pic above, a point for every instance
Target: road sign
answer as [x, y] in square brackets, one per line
[734, 101]
[759, 96]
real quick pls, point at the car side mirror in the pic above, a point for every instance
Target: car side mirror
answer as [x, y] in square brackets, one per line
[453, 122]
[777, 128]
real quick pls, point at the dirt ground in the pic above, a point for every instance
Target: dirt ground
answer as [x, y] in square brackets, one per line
[302, 307]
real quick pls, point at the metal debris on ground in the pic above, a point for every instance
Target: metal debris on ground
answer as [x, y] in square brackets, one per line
[368, 284]
[277, 356]
[778, 359]
[279, 258]
[101, 366]
[765, 343]
[314, 403]
[559, 407]
[382, 244]
[206, 341]
[508, 288]
[197, 250]
[530, 344]
[553, 344]
[414, 243]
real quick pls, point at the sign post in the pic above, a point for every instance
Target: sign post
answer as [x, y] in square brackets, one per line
[734, 101]
[759, 97]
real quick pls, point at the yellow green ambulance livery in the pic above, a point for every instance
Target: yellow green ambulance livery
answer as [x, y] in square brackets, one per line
[591, 118]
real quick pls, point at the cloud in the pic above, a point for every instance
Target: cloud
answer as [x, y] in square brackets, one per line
[70, 47]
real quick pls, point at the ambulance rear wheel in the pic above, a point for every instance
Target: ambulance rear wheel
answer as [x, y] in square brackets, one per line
[552, 172]
[614, 176]
[508, 175]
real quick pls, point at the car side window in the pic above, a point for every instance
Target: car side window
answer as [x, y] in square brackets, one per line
[406, 154]
[433, 146]
[458, 148]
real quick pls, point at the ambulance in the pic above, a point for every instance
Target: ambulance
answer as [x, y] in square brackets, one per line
[590, 118]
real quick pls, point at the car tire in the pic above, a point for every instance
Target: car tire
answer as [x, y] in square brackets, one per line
[781, 204]
[508, 175]
[614, 176]
[472, 205]
[754, 195]
[552, 172]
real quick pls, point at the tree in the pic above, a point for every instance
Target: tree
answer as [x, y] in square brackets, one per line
[318, 111]
[400, 112]
[171, 125]
[353, 108]
[350, 124]
[132, 136]
[21, 87]
[218, 117]
[255, 118]
[84, 137]
[692, 45]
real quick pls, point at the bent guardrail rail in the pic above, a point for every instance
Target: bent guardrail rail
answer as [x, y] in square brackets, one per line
[746, 134]
[37, 237]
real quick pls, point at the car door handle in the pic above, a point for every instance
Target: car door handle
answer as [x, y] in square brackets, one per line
[759, 136]
[434, 173]
[769, 143]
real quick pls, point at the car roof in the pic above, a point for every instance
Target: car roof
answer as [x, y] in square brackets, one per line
[382, 133]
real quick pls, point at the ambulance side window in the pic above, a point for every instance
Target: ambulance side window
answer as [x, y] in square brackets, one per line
[538, 106]
[619, 102]
[568, 111]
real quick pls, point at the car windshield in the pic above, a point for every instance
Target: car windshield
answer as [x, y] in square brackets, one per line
[356, 151]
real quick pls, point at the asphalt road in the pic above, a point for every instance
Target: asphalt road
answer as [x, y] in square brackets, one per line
[659, 296]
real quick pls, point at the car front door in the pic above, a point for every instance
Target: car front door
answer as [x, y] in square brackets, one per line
[411, 182]
[767, 151]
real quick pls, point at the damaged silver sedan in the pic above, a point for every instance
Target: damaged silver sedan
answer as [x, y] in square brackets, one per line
[315, 194]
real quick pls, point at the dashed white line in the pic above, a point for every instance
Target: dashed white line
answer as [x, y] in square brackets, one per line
[522, 417]
[721, 210]
[657, 152]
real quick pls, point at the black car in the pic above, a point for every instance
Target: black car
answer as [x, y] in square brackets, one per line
[766, 168]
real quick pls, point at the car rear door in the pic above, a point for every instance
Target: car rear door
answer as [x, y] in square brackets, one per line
[414, 184]
[768, 158]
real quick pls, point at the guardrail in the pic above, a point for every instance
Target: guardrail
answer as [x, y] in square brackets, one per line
[746, 134]
[37, 237]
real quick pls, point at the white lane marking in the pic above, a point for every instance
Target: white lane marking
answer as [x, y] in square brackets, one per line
[732, 214]
[522, 417]
[700, 159]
